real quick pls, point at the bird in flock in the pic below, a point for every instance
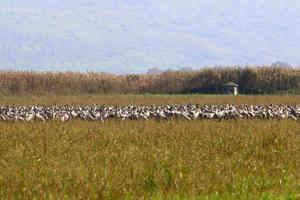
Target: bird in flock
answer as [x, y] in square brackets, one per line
[186, 112]
[40, 117]
[65, 117]
[29, 117]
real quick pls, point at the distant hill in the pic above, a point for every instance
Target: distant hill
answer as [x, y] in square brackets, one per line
[134, 35]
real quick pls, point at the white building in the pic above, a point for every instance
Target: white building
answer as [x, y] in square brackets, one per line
[230, 88]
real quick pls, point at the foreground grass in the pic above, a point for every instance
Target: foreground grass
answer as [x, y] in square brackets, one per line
[150, 99]
[159, 160]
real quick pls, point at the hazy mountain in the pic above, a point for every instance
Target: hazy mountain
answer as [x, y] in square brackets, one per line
[135, 35]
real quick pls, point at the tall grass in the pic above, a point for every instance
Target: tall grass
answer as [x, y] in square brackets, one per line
[252, 80]
[159, 160]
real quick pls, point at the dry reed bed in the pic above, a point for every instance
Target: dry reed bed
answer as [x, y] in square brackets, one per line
[175, 159]
[252, 80]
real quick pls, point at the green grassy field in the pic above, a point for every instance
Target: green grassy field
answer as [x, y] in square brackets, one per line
[150, 99]
[244, 159]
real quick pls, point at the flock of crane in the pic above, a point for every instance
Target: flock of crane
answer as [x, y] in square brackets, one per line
[186, 112]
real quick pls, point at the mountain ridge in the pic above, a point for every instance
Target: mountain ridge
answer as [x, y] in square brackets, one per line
[126, 36]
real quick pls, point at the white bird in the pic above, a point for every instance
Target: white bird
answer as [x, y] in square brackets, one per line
[29, 117]
[40, 117]
[64, 117]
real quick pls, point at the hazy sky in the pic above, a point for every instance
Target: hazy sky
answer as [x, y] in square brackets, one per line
[134, 35]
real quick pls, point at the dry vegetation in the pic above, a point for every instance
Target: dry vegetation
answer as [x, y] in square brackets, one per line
[253, 159]
[159, 160]
[254, 80]
[150, 99]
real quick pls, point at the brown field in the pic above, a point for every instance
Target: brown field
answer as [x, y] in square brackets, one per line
[253, 159]
[150, 99]
[163, 160]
